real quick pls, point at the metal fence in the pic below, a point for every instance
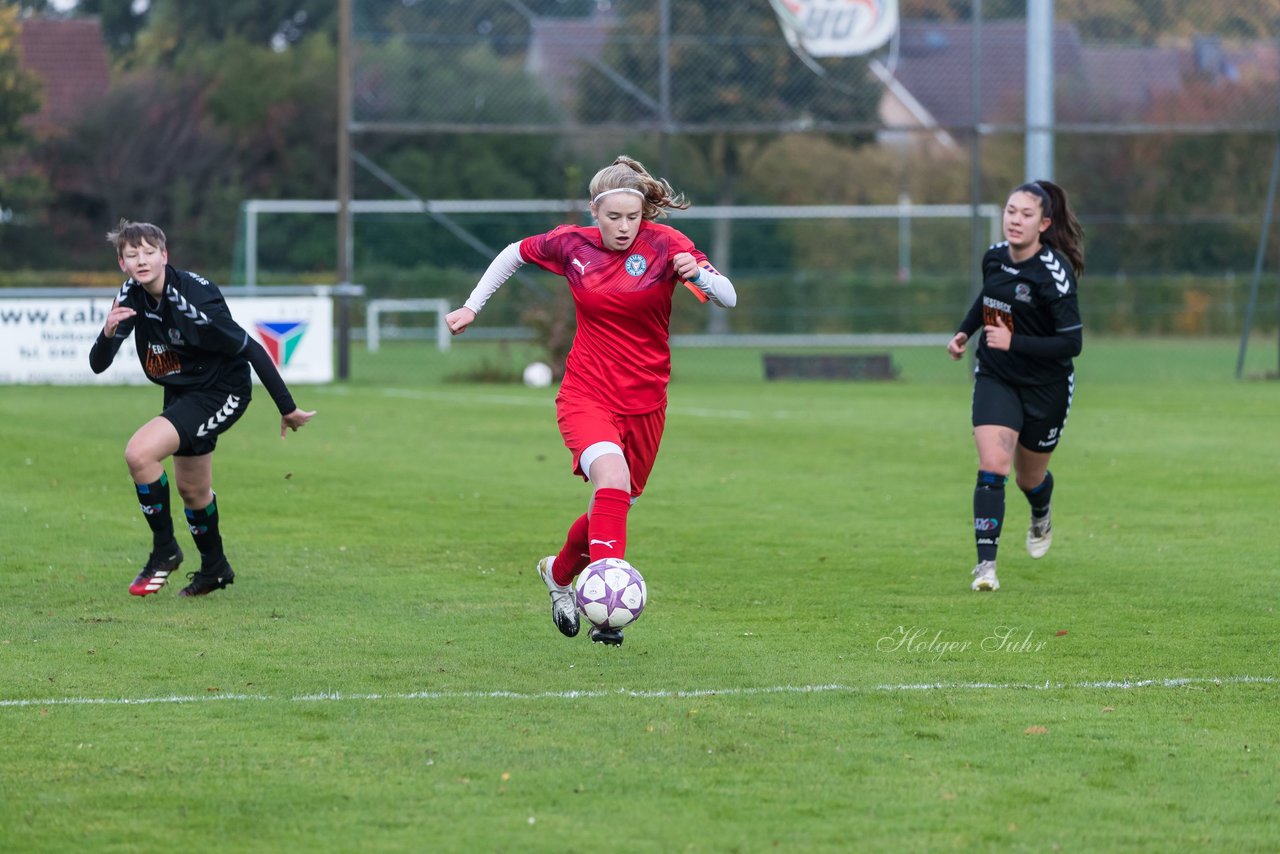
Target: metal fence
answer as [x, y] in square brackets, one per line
[699, 66]
[1164, 118]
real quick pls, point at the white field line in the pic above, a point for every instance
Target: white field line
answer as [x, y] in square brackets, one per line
[340, 696]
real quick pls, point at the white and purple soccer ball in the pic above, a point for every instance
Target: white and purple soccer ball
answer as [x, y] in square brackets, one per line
[610, 593]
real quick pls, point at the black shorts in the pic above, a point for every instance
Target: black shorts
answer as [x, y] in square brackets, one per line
[1038, 412]
[202, 415]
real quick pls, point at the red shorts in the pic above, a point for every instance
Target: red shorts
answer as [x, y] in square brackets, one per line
[584, 422]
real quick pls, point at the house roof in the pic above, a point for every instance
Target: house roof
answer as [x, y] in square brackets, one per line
[1095, 82]
[1126, 79]
[935, 61]
[69, 56]
[560, 49]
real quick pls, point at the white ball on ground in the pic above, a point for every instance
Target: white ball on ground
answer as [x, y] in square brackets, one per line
[537, 375]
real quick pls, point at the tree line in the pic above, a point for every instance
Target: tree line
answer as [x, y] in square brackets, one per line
[214, 103]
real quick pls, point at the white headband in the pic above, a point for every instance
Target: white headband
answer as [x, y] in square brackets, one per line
[600, 196]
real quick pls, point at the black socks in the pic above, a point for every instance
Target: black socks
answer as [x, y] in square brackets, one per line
[1039, 497]
[154, 499]
[988, 513]
[204, 530]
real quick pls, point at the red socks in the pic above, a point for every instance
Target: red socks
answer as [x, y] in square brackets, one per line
[608, 524]
[574, 557]
[601, 534]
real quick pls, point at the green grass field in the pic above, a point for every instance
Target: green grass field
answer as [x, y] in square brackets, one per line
[812, 672]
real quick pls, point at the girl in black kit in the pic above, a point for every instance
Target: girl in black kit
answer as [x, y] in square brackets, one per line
[1024, 378]
[189, 344]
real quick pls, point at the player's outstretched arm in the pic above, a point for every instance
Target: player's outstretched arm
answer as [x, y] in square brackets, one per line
[295, 419]
[500, 269]
[715, 286]
[459, 319]
[120, 320]
[116, 316]
[968, 327]
[291, 417]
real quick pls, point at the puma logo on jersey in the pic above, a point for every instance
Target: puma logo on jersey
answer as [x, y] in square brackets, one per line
[606, 543]
[582, 268]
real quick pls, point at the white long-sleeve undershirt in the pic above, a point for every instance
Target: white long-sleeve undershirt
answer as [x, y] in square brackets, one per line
[500, 269]
[717, 287]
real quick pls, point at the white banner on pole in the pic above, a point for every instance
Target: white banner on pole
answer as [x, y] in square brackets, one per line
[48, 339]
[837, 27]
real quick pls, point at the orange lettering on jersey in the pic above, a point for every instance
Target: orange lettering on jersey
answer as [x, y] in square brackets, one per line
[162, 363]
[992, 316]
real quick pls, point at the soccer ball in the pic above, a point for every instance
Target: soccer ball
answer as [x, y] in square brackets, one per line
[610, 593]
[537, 375]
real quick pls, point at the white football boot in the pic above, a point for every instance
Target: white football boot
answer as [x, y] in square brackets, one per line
[1039, 536]
[984, 576]
[564, 611]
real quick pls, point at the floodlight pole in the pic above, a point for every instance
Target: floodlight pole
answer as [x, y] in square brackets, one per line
[664, 86]
[344, 186]
[1039, 107]
[1257, 259]
[977, 232]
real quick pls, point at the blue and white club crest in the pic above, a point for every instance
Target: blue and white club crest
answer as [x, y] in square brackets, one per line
[636, 265]
[1022, 292]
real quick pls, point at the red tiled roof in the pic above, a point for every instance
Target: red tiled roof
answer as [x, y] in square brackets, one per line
[69, 56]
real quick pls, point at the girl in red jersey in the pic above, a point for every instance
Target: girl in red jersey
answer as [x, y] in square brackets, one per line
[611, 408]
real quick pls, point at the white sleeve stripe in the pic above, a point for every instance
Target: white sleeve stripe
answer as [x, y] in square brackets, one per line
[1071, 328]
[501, 269]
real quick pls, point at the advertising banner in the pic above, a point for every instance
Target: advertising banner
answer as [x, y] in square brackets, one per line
[837, 27]
[48, 339]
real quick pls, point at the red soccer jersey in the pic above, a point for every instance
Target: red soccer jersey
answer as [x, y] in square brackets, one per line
[621, 353]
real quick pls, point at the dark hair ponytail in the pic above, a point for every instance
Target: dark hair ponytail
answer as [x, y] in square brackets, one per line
[1064, 232]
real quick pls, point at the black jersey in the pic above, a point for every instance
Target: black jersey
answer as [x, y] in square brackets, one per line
[186, 339]
[1035, 298]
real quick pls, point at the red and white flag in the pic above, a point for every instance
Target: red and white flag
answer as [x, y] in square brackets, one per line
[837, 27]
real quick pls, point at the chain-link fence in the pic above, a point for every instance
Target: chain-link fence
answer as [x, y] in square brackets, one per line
[699, 66]
[674, 65]
[1164, 118]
